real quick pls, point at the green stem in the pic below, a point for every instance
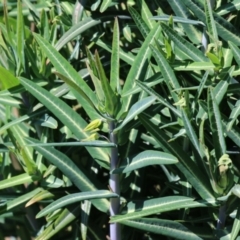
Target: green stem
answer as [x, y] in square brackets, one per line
[115, 231]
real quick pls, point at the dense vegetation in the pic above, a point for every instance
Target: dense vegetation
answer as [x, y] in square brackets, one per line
[119, 119]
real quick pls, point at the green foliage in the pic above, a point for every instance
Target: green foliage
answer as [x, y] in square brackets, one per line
[121, 116]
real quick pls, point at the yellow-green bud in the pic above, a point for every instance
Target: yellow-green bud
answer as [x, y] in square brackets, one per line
[93, 125]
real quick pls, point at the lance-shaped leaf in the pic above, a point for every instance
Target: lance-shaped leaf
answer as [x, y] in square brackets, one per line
[224, 28]
[142, 26]
[216, 125]
[97, 143]
[45, 194]
[146, 158]
[236, 225]
[234, 114]
[177, 19]
[85, 215]
[65, 218]
[136, 109]
[111, 99]
[185, 165]
[17, 202]
[63, 66]
[169, 228]
[233, 133]
[66, 115]
[18, 180]
[191, 134]
[151, 82]
[202, 83]
[114, 75]
[127, 57]
[194, 53]
[7, 79]
[181, 11]
[80, 27]
[144, 9]
[20, 36]
[228, 7]
[235, 51]
[68, 167]
[141, 208]
[163, 101]
[167, 72]
[105, 4]
[138, 68]
[195, 66]
[73, 198]
[210, 22]
[80, 95]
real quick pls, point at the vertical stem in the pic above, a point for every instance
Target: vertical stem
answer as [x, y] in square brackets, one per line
[115, 231]
[221, 217]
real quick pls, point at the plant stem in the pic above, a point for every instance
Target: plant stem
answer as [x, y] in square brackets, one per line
[115, 231]
[221, 217]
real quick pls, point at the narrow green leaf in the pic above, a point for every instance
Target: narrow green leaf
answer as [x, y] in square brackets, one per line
[194, 53]
[158, 97]
[10, 101]
[63, 66]
[17, 202]
[18, 180]
[142, 26]
[44, 194]
[31, 7]
[146, 13]
[85, 215]
[68, 167]
[7, 79]
[105, 4]
[216, 125]
[125, 56]
[6, 20]
[102, 144]
[136, 108]
[17, 134]
[166, 18]
[202, 83]
[233, 115]
[151, 83]
[186, 164]
[228, 7]
[44, 25]
[73, 198]
[146, 158]
[235, 51]
[224, 28]
[236, 225]
[66, 115]
[114, 74]
[20, 37]
[233, 133]
[141, 208]
[166, 70]
[169, 228]
[79, 28]
[220, 90]
[210, 22]
[79, 94]
[138, 68]
[111, 99]
[65, 218]
[95, 5]
[180, 10]
[191, 134]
